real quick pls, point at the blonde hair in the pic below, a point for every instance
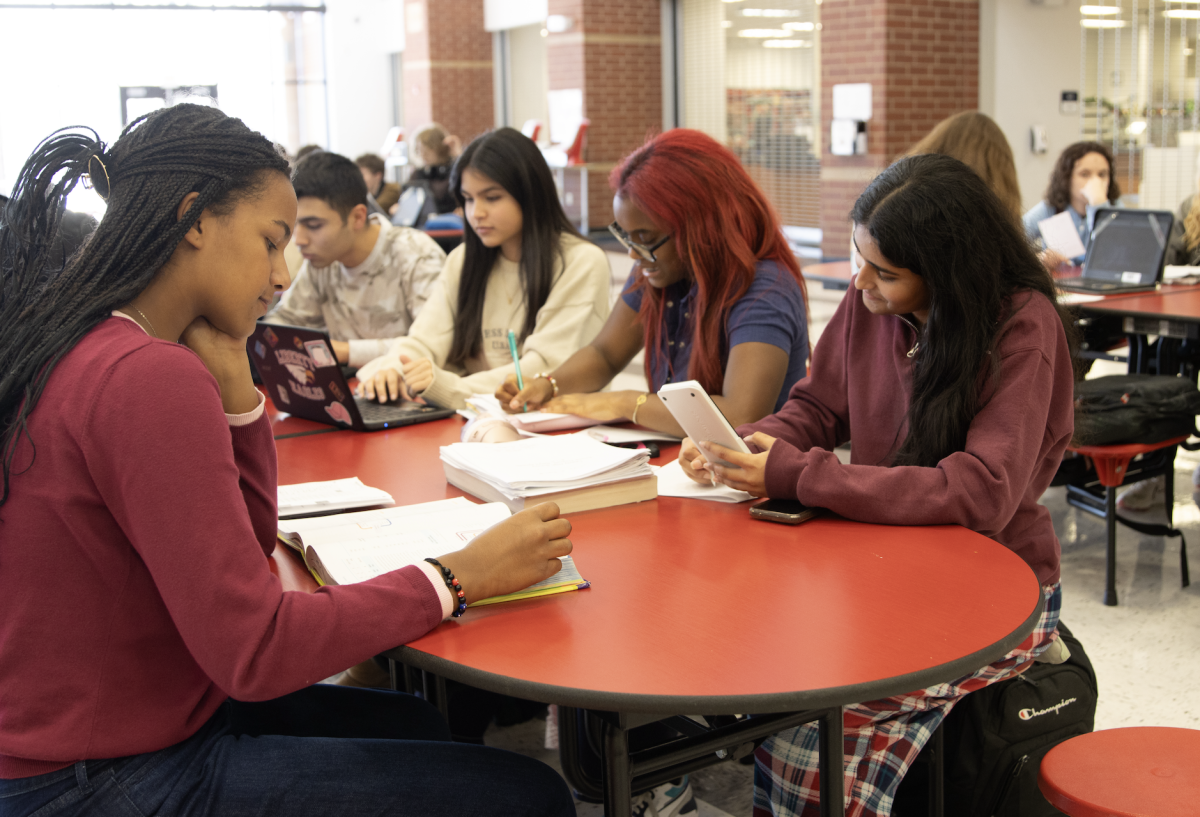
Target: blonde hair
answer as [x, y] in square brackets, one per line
[1191, 225]
[433, 138]
[977, 141]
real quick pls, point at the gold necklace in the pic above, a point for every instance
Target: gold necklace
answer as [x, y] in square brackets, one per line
[147, 320]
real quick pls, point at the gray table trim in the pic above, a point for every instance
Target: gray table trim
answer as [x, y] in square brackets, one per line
[719, 704]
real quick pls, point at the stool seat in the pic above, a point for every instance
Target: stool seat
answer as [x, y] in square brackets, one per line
[1141, 771]
[1111, 460]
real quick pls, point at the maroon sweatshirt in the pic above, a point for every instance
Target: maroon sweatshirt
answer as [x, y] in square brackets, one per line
[858, 388]
[135, 593]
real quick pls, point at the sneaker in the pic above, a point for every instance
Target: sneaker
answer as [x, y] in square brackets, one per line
[1144, 495]
[667, 800]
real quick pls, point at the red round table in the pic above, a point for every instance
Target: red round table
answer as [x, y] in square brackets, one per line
[1141, 771]
[696, 608]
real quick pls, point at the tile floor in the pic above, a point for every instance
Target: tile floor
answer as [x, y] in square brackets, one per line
[1146, 651]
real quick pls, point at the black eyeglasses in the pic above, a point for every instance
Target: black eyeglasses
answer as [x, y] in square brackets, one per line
[646, 252]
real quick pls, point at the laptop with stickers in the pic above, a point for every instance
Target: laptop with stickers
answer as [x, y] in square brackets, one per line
[1126, 252]
[302, 376]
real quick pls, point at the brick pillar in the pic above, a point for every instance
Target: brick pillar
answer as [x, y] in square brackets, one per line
[922, 60]
[614, 54]
[448, 67]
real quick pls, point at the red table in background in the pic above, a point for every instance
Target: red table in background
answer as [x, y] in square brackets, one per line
[696, 608]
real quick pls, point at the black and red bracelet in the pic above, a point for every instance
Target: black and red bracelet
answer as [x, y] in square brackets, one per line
[455, 588]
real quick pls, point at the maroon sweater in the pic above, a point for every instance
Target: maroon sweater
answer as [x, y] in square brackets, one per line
[135, 594]
[858, 388]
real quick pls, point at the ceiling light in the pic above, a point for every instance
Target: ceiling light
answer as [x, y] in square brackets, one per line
[764, 32]
[1103, 23]
[1182, 14]
[787, 44]
[800, 26]
[1099, 10]
[770, 12]
[726, 24]
[731, 1]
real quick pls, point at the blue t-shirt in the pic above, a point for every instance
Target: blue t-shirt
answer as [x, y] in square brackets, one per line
[772, 311]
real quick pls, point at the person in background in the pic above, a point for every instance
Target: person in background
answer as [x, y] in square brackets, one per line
[386, 193]
[1082, 180]
[976, 140]
[363, 280]
[304, 151]
[521, 267]
[138, 505]
[715, 294]
[949, 363]
[433, 152]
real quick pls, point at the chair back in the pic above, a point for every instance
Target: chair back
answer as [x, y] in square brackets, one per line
[532, 128]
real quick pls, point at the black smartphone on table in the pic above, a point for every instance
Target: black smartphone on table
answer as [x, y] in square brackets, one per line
[784, 511]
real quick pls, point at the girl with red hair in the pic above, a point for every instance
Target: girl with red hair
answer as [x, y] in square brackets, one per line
[715, 294]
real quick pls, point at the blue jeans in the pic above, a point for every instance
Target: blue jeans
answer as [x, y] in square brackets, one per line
[324, 750]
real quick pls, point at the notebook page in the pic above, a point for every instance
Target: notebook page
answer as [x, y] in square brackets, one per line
[387, 522]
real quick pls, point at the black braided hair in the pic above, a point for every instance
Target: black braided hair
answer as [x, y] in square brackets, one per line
[156, 162]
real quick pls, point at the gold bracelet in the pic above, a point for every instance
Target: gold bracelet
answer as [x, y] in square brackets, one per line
[642, 398]
[553, 382]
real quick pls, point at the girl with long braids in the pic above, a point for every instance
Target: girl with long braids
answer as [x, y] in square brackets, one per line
[149, 659]
[522, 268]
[949, 365]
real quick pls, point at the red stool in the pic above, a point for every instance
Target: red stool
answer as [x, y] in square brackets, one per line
[1142, 771]
[1111, 464]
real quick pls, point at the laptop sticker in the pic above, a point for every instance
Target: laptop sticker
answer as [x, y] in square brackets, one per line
[320, 353]
[271, 337]
[338, 412]
[283, 395]
[300, 366]
[1131, 277]
[300, 374]
[259, 349]
[336, 390]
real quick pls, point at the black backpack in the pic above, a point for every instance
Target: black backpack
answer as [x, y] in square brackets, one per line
[995, 739]
[1134, 408]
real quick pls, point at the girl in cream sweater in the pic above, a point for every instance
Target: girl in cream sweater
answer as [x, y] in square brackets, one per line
[521, 267]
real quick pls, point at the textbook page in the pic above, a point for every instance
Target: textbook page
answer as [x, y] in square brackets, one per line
[329, 495]
[673, 482]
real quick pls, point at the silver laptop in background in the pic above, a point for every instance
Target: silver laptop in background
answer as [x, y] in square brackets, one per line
[1126, 253]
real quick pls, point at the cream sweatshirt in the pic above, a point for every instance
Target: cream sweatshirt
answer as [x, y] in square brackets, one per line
[571, 318]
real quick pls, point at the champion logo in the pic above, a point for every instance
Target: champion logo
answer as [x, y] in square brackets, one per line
[1030, 714]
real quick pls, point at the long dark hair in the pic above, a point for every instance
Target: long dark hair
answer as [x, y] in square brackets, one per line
[158, 160]
[1058, 194]
[933, 215]
[513, 161]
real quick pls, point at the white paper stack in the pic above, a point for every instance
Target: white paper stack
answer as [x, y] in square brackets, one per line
[530, 422]
[574, 470]
[307, 498]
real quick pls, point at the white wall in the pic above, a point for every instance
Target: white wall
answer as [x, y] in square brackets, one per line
[530, 78]
[1028, 55]
[361, 36]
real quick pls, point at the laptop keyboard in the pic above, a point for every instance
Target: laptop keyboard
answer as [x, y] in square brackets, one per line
[376, 412]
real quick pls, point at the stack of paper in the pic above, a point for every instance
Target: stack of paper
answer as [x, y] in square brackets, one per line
[530, 422]
[673, 482]
[355, 547]
[308, 498]
[574, 470]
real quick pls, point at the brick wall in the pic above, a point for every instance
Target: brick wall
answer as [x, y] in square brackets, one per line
[614, 53]
[448, 67]
[922, 60]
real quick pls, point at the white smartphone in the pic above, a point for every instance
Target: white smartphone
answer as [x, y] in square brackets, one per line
[693, 409]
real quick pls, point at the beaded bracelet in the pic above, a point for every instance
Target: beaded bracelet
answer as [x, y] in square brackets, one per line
[553, 382]
[455, 587]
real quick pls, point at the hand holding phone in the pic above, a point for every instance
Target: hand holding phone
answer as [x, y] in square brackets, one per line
[699, 416]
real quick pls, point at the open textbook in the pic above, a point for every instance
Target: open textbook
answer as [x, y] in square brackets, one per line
[355, 547]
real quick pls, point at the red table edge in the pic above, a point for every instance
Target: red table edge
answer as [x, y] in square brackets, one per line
[720, 704]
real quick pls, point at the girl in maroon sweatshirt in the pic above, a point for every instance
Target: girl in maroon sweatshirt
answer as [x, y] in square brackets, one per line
[149, 660]
[948, 366]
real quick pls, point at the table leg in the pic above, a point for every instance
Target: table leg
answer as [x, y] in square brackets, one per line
[1110, 582]
[617, 778]
[831, 764]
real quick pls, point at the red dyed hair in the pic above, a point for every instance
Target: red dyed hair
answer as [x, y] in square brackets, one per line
[696, 189]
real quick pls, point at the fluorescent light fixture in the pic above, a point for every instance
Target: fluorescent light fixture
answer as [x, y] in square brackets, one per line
[800, 26]
[787, 44]
[1099, 10]
[770, 12]
[1103, 23]
[731, 1]
[1182, 14]
[726, 24]
[764, 32]
[1136, 128]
